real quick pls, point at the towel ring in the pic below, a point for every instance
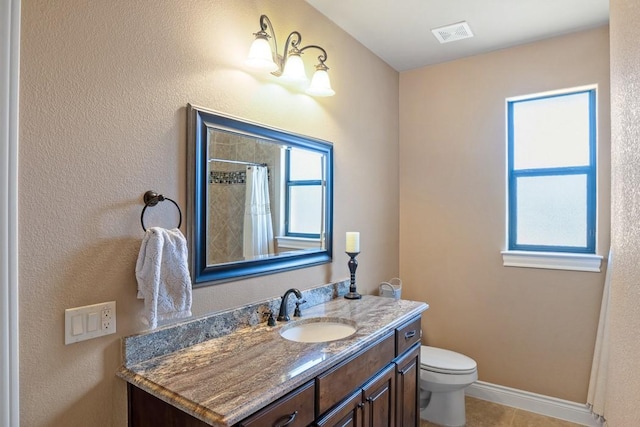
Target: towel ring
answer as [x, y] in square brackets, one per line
[151, 198]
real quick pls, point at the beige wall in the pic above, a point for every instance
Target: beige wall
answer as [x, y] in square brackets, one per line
[104, 85]
[623, 385]
[529, 329]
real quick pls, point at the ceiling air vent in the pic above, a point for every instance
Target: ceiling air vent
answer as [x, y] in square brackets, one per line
[453, 32]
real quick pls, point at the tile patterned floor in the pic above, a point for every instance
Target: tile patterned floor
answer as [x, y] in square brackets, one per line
[481, 413]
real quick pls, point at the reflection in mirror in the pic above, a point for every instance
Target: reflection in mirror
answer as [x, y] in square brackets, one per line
[260, 198]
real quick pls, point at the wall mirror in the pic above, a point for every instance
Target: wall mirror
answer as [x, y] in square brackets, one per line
[259, 198]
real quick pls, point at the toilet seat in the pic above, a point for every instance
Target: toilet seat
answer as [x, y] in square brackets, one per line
[445, 361]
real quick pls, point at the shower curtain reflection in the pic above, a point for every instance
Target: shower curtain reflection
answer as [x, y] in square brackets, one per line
[258, 225]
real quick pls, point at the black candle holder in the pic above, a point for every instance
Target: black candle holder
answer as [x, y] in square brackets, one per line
[353, 264]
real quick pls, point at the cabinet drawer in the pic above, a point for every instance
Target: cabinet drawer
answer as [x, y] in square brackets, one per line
[407, 335]
[341, 380]
[293, 410]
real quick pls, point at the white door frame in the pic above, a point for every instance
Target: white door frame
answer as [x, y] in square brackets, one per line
[9, 84]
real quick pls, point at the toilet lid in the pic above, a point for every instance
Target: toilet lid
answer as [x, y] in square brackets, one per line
[445, 361]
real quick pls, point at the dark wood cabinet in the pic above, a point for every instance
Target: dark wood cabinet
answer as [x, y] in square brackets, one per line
[408, 388]
[146, 410]
[379, 399]
[342, 379]
[371, 406]
[376, 387]
[347, 414]
[407, 335]
[296, 409]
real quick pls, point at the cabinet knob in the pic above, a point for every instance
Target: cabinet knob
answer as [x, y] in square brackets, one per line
[286, 420]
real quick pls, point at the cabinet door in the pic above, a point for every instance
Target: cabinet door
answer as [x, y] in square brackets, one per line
[346, 414]
[408, 388]
[379, 399]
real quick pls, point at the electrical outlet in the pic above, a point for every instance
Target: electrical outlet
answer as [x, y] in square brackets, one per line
[90, 321]
[108, 320]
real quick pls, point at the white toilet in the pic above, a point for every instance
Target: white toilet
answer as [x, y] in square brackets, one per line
[444, 375]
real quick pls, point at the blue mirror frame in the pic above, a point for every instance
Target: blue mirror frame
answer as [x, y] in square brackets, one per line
[199, 122]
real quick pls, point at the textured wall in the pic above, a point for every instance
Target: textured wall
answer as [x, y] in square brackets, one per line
[623, 384]
[104, 89]
[530, 329]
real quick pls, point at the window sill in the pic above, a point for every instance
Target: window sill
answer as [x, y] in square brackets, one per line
[552, 260]
[298, 243]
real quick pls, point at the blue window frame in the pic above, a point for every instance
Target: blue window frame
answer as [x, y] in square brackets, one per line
[552, 172]
[304, 193]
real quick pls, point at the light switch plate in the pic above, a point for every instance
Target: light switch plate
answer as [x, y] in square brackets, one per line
[93, 320]
[89, 321]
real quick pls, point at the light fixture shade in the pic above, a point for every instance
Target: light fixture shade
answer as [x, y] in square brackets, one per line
[260, 56]
[320, 84]
[294, 70]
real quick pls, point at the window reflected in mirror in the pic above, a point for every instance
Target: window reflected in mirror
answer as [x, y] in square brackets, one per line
[304, 194]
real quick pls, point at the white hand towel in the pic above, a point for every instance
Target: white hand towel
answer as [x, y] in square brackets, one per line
[163, 276]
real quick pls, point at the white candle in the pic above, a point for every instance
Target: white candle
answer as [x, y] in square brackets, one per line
[353, 241]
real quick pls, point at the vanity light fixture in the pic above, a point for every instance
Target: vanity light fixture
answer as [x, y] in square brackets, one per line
[288, 66]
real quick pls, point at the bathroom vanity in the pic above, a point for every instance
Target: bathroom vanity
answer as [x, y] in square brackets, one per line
[253, 376]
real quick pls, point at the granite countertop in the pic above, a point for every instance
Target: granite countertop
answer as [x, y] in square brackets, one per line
[223, 380]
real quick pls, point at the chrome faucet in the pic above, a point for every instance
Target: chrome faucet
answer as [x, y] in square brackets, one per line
[283, 315]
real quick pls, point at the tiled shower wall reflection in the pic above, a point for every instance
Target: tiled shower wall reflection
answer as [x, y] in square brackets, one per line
[227, 191]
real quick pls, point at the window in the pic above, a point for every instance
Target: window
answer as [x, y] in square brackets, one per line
[552, 172]
[304, 185]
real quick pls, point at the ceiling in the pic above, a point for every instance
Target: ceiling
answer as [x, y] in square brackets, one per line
[399, 31]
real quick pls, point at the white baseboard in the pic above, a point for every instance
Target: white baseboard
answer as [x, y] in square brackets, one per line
[550, 406]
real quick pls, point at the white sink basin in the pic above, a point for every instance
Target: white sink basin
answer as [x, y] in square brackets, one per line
[320, 329]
